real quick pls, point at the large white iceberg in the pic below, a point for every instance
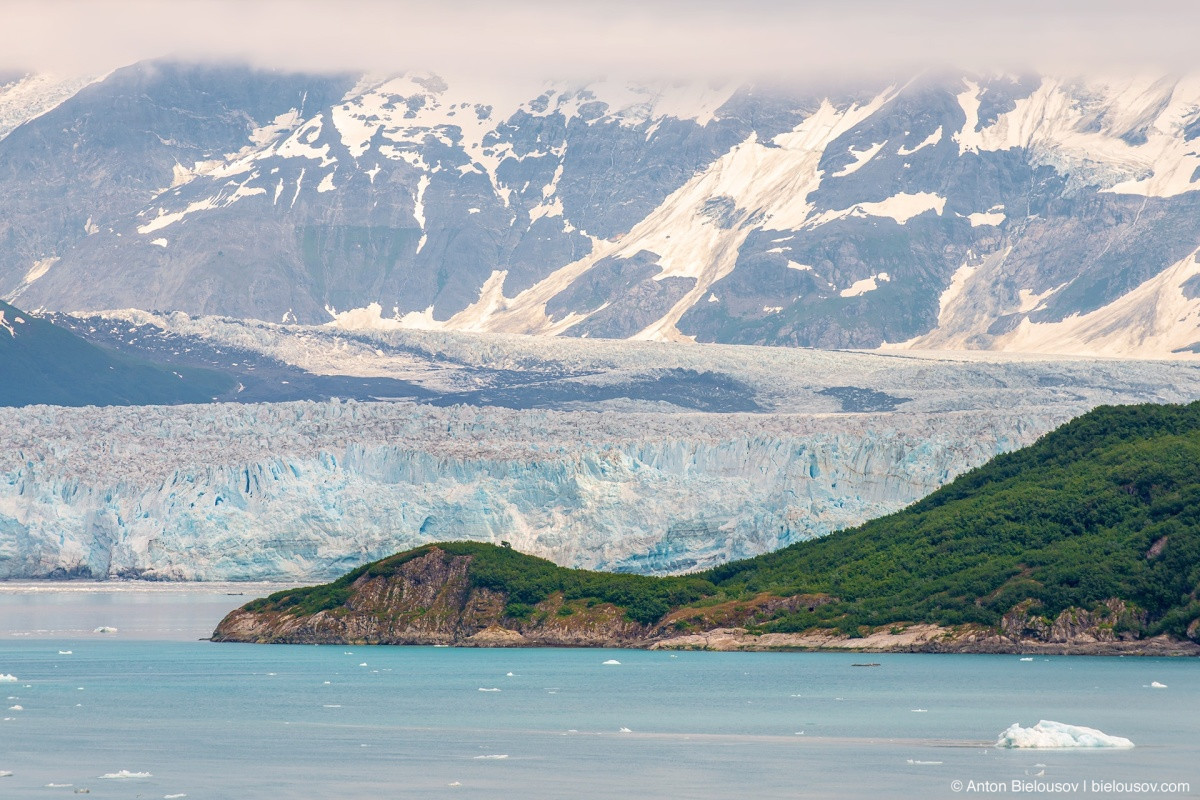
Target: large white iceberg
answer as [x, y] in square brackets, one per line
[1054, 735]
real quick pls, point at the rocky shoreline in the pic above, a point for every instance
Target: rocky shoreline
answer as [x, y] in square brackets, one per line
[430, 600]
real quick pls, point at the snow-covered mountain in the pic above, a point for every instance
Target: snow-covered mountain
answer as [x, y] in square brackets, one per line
[1017, 213]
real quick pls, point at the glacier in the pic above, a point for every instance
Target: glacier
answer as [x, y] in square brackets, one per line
[615, 480]
[308, 490]
[620, 473]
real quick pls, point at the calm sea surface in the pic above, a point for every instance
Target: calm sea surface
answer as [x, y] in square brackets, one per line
[248, 721]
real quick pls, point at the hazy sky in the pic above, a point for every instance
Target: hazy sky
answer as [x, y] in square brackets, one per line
[650, 37]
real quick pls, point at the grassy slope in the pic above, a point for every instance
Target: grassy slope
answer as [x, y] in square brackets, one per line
[1067, 522]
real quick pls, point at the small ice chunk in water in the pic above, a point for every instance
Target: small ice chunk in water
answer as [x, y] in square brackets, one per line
[16, 708]
[1049, 734]
[64, 652]
[125, 774]
[1027, 659]
[626, 730]
[5, 773]
[508, 675]
[491, 758]
[1157, 685]
[5, 678]
[363, 664]
[493, 689]
[613, 661]
[173, 796]
[105, 629]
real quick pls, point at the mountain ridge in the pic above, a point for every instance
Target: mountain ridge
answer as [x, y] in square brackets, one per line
[1016, 213]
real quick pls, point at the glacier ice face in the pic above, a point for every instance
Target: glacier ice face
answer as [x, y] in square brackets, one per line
[292, 491]
[302, 490]
[1057, 735]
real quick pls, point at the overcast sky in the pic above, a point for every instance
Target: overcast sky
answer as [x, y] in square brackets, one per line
[662, 38]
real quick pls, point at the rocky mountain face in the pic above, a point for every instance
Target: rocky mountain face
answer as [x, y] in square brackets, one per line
[1020, 213]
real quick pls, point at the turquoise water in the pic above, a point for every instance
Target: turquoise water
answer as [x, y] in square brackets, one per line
[247, 721]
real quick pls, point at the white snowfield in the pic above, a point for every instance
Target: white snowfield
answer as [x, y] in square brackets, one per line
[294, 491]
[1057, 735]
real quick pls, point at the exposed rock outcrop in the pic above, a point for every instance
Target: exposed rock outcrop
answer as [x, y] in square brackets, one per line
[430, 600]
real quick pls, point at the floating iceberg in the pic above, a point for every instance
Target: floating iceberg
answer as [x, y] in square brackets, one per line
[105, 629]
[126, 774]
[493, 689]
[5, 678]
[1048, 734]
[613, 661]
[1157, 685]
[490, 758]
[5, 773]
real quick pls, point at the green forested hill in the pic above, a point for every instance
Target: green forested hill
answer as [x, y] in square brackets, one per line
[1105, 508]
